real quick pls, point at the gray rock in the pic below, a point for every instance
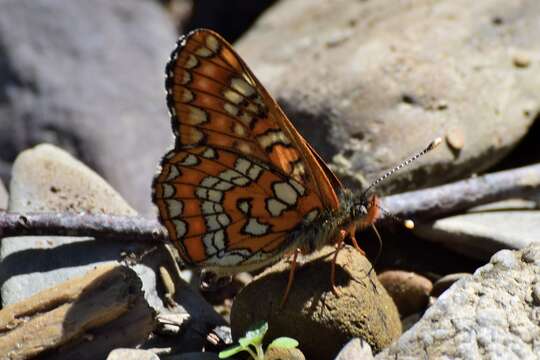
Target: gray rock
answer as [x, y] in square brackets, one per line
[87, 77]
[47, 179]
[4, 196]
[132, 354]
[492, 314]
[356, 349]
[485, 230]
[373, 81]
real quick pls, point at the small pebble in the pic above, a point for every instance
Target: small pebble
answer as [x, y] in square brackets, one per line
[283, 354]
[455, 138]
[409, 290]
[521, 60]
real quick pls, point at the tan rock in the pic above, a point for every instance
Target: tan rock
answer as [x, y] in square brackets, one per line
[47, 179]
[313, 315]
[374, 81]
[409, 290]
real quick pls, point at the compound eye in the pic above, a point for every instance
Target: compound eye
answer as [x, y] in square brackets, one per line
[363, 210]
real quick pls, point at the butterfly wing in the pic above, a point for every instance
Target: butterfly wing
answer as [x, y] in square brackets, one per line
[240, 178]
[224, 209]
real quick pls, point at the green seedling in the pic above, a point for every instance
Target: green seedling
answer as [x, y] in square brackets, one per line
[252, 342]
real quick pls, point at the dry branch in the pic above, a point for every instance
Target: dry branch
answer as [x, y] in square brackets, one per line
[440, 201]
[101, 226]
[424, 204]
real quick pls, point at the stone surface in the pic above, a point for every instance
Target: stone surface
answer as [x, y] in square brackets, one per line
[87, 77]
[4, 196]
[132, 354]
[312, 312]
[283, 354]
[374, 81]
[485, 230]
[356, 349]
[48, 179]
[492, 314]
[32, 263]
[410, 291]
[442, 284]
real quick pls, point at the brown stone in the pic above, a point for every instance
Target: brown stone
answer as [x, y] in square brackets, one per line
[312, 312]
[409, 290]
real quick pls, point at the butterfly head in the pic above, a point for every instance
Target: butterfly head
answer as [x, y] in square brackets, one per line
[365, 210]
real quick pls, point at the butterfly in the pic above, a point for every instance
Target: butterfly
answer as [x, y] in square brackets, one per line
[241, 187]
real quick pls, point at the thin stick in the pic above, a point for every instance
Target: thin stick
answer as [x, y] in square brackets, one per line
[453, 198]
[424, 204]
[109, 227]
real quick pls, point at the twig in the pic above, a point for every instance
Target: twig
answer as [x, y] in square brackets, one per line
[109, 227]
[424, 204]
[440, 201]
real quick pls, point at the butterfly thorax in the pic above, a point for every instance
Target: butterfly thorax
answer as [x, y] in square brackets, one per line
[354, 209]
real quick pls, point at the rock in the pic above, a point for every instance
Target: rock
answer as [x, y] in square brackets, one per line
[492, 314]
[132, 354]
[92, 85]
[83, 318]
[48, 179]
[408, 321]
[357, 82]
[485, 230]
[283, 354]
[33, 263]
[312, 312]
[4, 196]
[409, 291]
[180, 11]
[356, 349]
[445, 282]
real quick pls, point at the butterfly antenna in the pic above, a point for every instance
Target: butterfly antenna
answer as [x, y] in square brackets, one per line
[432, 145]
[408, 223]
[379, 252]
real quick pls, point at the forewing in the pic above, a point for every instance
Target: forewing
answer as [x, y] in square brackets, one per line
[216, 100]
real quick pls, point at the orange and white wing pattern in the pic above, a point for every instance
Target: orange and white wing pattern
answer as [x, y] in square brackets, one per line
[240, 178]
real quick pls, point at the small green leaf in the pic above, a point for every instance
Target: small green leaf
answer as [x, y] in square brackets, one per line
[284, 342]
[254, 335]
[230, 352]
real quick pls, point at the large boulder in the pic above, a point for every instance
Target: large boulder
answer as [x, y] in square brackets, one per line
[374, 81]
[88, 77]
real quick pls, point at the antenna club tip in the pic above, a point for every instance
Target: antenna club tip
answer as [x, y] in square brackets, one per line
[409, 224]
[436, 142]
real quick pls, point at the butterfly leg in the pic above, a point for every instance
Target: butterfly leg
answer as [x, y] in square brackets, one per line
[339, 245]
[352, 234]
[291, 277]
